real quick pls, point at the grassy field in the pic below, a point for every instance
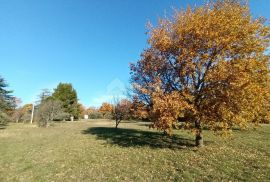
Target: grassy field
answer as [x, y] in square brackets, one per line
[95, 151]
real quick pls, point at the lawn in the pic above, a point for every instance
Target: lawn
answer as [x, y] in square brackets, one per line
[95, 151]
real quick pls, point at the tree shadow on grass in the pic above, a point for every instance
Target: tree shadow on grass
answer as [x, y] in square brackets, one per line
[138, 138]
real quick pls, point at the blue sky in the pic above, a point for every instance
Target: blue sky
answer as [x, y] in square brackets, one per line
[88, 43]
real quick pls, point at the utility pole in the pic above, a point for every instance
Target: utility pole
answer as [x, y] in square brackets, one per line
[32, 115]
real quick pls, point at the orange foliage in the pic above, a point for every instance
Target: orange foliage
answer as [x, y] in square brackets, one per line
[106, 108]
[138, 109]
[206, 66]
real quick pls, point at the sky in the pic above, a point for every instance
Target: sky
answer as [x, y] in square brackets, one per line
[89, 43]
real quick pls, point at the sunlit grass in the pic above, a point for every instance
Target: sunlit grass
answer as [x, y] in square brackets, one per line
[94, 150]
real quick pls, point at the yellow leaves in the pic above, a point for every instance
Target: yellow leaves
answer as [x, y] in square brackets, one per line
[228, 26]
[160, 36]
[244, 92]
[207, 64]
[27, 108]
[167, 108]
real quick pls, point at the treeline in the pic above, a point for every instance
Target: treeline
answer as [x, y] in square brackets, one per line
[121, 109]
[62, 105]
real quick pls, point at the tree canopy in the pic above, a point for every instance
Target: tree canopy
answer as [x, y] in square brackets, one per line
[206, 66]
[68, 96]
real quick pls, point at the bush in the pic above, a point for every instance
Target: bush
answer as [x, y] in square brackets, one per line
[4, 118]
[108, 115]
[48, 111]
[63, 116]
[95, 115]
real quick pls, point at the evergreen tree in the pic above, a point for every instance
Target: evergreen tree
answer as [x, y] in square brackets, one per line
[7, 102]
[68, 96]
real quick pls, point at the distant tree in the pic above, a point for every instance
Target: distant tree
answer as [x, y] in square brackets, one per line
[121, 111]
[91, 110]
[7, 101]
[106, 109]
[68, 96]
[206, 67]
[93, 113]
[48, 111]
[22, 113]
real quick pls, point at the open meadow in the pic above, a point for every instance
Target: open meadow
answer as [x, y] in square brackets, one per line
[95, 151]
[129, 91]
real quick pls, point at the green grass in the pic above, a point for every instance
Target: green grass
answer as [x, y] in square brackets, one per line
[95, 151]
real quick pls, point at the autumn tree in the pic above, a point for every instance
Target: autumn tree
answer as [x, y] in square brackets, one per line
[106, 108]
[121, 110]
[207, 67]
[68, 96]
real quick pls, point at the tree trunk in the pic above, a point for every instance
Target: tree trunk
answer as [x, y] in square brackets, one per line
[199, 139]
[199, 136]
[117, 123]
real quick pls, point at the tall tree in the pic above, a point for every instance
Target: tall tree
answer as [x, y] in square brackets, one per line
[207, 67]
[7, 102]
[6, 99]
[68, 96]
